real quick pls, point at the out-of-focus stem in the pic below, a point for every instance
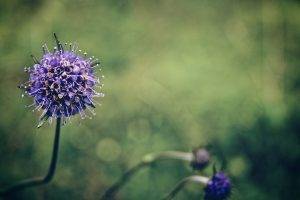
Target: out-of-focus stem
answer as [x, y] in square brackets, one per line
[180, 185]
[36, 181]
[146, 161]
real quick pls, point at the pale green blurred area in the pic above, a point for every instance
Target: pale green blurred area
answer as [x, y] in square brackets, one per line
[178, 74]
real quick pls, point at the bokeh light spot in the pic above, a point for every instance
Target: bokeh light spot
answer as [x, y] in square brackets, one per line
[108, 149]
[238, 166]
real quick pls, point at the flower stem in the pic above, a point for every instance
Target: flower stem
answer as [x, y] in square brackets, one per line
[180, 185]
[146, 161]
[36, 181]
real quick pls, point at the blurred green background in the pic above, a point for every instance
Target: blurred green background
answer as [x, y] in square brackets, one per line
[179, 74]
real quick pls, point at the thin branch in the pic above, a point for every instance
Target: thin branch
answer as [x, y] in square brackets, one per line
[146, 161]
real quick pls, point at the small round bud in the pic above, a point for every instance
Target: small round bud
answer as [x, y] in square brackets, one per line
[218, 187]
[201, 158]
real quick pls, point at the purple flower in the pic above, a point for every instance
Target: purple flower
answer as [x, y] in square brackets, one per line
[201, 158]
[218, 187]
[62, 83]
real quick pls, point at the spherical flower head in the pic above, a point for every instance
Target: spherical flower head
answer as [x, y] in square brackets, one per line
[201, 158]
[62, 83]
[218, 187]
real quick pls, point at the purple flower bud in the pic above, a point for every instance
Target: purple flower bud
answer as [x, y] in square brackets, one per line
[201, 158]
[218, 187]
[62, 83]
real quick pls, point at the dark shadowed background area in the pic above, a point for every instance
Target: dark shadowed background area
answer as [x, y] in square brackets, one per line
[178, 74]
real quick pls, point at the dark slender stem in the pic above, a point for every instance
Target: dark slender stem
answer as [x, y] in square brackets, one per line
[111, 191]
[146, 161]
[36, 181]
[180, 185]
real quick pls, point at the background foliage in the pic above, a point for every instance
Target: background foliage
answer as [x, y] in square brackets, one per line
[179, 74]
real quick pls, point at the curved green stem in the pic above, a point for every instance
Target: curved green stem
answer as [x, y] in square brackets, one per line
[146, 161]
[180, 185]
[36, 181]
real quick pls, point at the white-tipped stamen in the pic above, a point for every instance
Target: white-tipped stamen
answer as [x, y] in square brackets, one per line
[91, 110]
[46, 48]
[28, 106]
